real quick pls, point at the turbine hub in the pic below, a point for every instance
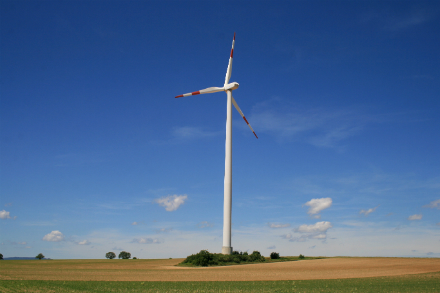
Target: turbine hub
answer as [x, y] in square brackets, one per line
[231, 86]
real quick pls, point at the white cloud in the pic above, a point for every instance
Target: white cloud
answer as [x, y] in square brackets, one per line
[315, 231]
[134, 223]
[84, 242]
[369, 211]
[4, 215]
[433, 204]
[55, 236]
[318, 227]
[205, 224]
[146, 240]
[274, 225]
[171, 202]
[415, 217]
[317, 205]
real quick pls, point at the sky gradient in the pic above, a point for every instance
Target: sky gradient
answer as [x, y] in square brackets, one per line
[97, 155]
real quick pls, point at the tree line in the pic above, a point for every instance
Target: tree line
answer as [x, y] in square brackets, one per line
[122, 254]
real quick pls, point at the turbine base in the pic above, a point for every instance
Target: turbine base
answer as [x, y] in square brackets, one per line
[226, 250]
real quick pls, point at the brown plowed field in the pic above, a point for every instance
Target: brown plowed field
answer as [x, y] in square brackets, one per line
[164, 270]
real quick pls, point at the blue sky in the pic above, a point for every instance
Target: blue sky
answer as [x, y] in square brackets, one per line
[97, 155]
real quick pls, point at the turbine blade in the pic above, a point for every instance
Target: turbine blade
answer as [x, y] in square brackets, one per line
[229, 70]
[242, 115]
[205, 91]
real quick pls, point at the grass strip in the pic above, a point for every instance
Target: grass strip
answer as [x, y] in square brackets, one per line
[408, 283]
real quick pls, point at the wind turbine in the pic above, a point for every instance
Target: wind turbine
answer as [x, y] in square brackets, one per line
[228, 88]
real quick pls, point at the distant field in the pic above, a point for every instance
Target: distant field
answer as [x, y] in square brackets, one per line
[165, 270]
[318, 275]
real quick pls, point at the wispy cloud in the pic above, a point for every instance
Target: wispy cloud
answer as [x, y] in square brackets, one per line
[164, 230]
[84, 242]
[54, 236]
[187, 132]
[414, 18]
[278, 225]
[272, 247]
[317, 126]
[138, 223]
[415, 217]
[317, 227]
[433, 204]
[171, 202]
[45, 223]
[118, 205]
[367, 212]
[317, 205]
[395, 22]
[304, 237]
[205, 224]
[146, 241]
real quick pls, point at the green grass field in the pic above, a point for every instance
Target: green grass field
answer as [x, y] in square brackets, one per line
[408, 283]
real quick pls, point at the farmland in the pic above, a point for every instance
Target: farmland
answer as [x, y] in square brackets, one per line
[330, 274]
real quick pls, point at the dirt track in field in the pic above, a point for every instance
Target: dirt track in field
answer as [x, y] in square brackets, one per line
[164, 270]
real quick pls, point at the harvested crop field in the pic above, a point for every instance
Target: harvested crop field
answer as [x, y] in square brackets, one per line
[165, 270]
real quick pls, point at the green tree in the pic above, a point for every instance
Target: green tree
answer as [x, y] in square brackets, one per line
[1, 256]
[40, 256]
[110, 255]
[124, 255]
[274, 255]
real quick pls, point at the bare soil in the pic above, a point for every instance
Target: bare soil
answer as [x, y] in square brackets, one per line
[165, 270]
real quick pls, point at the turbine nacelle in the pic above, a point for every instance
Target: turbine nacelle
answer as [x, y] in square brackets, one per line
[231, 86]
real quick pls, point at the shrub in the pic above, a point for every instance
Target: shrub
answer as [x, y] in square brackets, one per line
[301, 256]
[225, 258]
[256, 256]
[203, 258]
[274, 255]
[135, 257]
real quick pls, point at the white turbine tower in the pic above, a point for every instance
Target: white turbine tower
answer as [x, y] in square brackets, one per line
[228, 88]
